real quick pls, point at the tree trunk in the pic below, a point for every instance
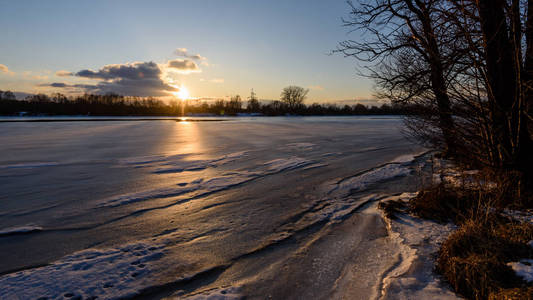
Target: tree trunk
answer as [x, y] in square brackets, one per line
[501, 77]
[438, 82]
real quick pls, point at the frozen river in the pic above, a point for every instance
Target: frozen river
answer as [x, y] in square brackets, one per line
[251, 207]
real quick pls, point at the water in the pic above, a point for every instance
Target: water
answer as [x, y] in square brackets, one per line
[153, 203]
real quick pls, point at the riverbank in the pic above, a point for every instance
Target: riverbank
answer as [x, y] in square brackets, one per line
[483, 247]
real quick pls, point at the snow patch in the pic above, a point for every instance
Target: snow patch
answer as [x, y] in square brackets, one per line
[196, 188]
[108, 274]
[282, 164]
[523, 268]
[412, 277]
[300, 146]
[203, 186]
[519, 215]
[30, 165]
[179, 165]
[364, 180]
[20, 229]
[230, 293]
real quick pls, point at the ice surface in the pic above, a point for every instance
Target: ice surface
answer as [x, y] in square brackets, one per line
[158, 164]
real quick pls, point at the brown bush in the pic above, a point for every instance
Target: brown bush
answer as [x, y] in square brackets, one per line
[513, 294]
[474, 258]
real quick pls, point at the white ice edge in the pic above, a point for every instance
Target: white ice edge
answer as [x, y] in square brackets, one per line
[30, 165]
[416, 239]
[20, 229]
[227, 293]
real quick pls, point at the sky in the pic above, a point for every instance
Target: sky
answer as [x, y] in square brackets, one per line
[203, 48]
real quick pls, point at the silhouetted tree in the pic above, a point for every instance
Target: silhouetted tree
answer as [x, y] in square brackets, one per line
[253, 102]
[8, 95]
[293, 96]
[234, 105]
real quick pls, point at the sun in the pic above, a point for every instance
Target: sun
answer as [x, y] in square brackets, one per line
[183, 93]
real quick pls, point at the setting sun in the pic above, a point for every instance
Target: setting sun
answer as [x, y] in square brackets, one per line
[183, 94]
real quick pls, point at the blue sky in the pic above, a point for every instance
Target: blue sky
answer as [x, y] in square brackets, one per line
[265, 45]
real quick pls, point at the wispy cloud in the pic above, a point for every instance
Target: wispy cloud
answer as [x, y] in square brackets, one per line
[85, 87]
[5, 69]
[183, 52]
[183, 66]
[316, 87]
[63, 73]
[34, 75]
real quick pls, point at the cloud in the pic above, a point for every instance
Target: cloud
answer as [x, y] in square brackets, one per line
[183, 52]
[63, 73]
[316, 87]
[363, 101]
[71, 86]
[183, 66]
[5, 69]
[217, 80]
[133, 71]
[131, 79]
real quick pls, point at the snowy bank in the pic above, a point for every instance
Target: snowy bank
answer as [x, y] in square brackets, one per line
[417, 241]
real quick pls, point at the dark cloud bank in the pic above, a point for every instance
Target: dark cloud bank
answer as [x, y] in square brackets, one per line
[135, 79]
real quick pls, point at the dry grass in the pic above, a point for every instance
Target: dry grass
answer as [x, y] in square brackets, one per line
[474, 258]
[443, 203]
[392, 207]
[513, 294]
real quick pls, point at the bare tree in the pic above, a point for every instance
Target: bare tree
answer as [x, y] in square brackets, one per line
[253, 102]
[408, 54]
[294, 96]
[234, 105]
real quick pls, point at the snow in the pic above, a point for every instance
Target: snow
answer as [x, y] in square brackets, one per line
[176, 164]
[202, 186]
[417, 240]
[523, 268]
[230, 293]
[300, 146]
[198, 187]
[282, 164]
[519, 215]
[30, 165]
[20, 229]
[105, 273]
[364, 180]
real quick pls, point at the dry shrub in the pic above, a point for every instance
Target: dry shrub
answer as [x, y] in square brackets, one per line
[513, 294]
[470, 197]
[443, 203]
[392, 207]
[474, 258]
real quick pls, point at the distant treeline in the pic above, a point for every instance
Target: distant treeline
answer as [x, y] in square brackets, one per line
[117, 105]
